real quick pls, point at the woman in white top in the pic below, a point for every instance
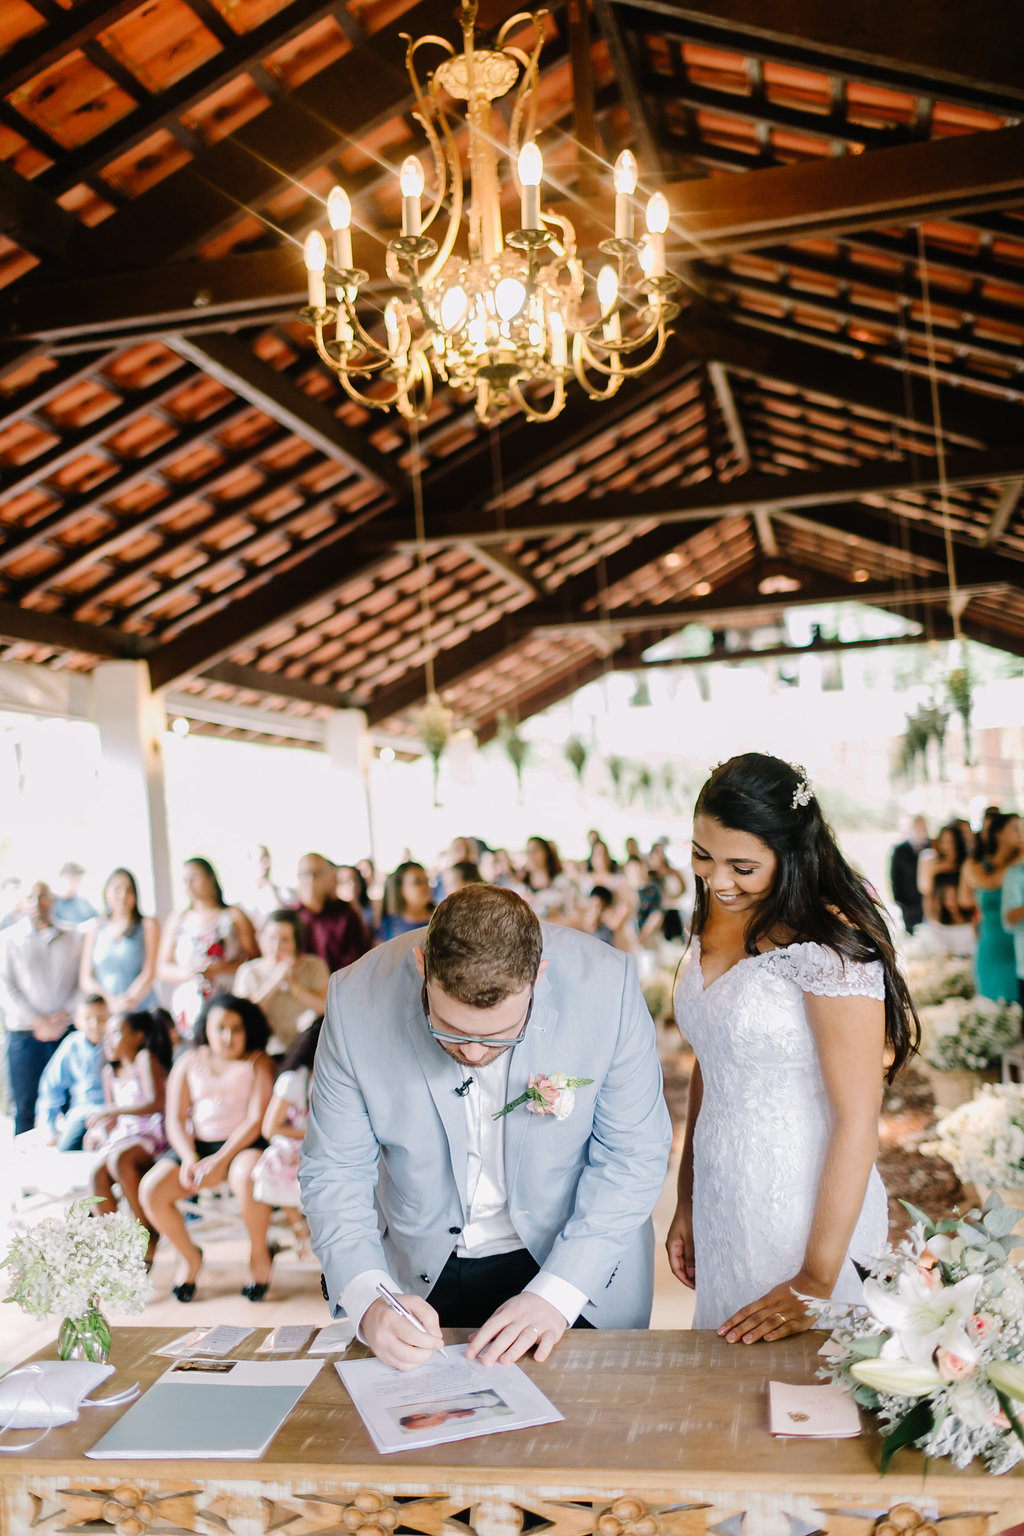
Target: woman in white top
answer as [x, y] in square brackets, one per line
[290, 987]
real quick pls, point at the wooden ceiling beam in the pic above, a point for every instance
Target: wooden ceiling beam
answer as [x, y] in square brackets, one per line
[717, 216]
[977, 51]
[816, 370]
[915, 539]
[31, 219]
[35, 626]
[715, 499]
[1006, 506]
[231, 621]
[484, 647]
[633, 99]
[237, 367]
[365, 87]
[259, 680]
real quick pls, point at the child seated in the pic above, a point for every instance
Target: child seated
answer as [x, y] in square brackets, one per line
[275, 1179]
[71, 1086]
[128, 1131]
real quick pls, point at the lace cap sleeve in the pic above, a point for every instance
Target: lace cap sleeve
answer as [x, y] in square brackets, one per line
[826, 973]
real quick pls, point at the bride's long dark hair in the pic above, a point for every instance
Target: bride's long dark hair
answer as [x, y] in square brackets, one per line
[815, 895]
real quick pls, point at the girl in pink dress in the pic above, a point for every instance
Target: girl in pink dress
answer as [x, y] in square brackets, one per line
[217, 1095]
[128, 1131]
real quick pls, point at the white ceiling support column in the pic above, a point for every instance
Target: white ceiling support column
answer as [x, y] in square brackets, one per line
[131, 724]
[348, 821]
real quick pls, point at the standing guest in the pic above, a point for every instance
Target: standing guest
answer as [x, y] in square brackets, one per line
[903, 873]
[351, 886]
[502, 1222]
[119, 953]
[202, 946]
[1013, 918]
[71, 908]
[794, 1005]
[71, 1086]
[672, 890]
[217, 1095]
[945, 857]
[334, 929]
[38, 986]
[999, 846]
[408, 901]
[262, 896]
[128, 1132]
[289, 986]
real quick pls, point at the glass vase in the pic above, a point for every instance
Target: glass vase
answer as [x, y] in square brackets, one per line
[86, 1337]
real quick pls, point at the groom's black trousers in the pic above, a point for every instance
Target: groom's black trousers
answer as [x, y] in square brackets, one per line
[469, 1290]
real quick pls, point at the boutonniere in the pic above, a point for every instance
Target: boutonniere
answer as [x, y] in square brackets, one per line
[548, 1093]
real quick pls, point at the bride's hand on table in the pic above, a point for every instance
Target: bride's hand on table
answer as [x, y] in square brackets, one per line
[777, 1315]
[679, 1246]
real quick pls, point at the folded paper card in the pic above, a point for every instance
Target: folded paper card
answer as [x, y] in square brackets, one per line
[820, 1412]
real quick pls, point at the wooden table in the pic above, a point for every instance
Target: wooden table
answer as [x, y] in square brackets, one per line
[665, 1434]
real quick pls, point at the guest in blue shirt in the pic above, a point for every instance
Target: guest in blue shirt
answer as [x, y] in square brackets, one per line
[71, 1087]
[71, 909]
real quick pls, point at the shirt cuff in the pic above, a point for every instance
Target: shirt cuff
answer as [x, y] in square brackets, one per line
[566, 1298]
[360, 1294]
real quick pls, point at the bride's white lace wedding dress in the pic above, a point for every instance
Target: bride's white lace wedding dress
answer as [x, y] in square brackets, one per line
[764, 1122]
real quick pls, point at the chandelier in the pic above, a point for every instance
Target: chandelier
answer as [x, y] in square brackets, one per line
[516, 317]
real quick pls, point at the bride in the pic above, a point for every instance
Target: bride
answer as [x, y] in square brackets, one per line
[796, 1010]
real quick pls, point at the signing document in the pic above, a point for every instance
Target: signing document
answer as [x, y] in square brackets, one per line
[455, 1399]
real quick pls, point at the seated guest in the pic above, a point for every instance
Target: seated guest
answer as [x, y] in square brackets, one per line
[119, 953]
[128, 1132]
[594, 914]
[334, 930]
[71, 1086]
[408, 902]
[458, 875]
[202, 946]
[38, 987]
[275, 1178]
[217, 1095]
[351, 886]
[289, 986]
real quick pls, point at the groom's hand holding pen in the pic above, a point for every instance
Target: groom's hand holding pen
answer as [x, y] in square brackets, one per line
[402, 1331]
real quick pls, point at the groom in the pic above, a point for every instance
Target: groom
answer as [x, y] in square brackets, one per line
[518, 1225]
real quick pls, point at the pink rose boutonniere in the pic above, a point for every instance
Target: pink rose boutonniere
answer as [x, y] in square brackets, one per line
[548, 1093]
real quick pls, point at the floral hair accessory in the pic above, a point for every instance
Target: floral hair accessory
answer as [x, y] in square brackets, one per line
[803, 794]
[548, 1094]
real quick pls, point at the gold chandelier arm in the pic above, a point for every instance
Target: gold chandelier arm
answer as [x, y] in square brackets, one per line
[530, 411]
[582, 357]
[453, 179]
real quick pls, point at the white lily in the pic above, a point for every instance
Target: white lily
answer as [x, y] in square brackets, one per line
[948, 1250]
[925, 1317]
[899, 1376]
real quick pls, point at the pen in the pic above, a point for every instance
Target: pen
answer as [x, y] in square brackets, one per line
[396, 1306]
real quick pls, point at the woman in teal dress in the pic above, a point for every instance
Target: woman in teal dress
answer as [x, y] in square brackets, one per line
[981, 881]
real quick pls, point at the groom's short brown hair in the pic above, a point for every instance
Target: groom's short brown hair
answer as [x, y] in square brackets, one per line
[482, 944]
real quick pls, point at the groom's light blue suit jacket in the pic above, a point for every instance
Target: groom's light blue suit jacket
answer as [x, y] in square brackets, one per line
[383, 1168]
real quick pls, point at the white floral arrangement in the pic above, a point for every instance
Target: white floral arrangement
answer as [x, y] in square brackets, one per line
[67, 1265]
[984, 1138]
[936, 1349]
[932, 979]
[968, 1033]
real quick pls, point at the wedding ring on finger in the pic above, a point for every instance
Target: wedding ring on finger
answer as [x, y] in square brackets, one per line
[780, 1317]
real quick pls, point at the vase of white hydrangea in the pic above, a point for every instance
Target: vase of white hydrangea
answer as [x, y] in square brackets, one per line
[962, 1040]
[74, 1266]
[86, 1337]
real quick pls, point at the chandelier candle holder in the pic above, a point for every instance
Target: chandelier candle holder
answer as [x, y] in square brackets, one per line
[517, 317]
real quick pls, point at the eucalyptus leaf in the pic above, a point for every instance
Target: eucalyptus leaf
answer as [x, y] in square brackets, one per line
[918, 1423]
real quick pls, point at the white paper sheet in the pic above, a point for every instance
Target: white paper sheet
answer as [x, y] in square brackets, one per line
[442, 1401]
[816, 1412]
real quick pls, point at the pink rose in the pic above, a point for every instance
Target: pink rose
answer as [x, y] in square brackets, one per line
[953, 1367]
[980, 1327]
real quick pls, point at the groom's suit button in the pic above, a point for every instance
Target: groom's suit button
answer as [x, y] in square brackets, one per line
[454, 1231]
[425, 1279]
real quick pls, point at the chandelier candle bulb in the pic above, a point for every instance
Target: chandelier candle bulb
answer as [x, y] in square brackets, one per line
[315, 253]
[626, 176]
[559, 349]
[412, 190]
[339, 214]
[657, 224]
[531, 169]
[608, 298]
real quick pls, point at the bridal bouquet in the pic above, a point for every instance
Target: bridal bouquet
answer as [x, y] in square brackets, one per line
[73, 1265]
[968, 1034]
[937, 1346]
[984, 1139]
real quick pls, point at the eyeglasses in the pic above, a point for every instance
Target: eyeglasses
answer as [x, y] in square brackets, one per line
[487, 1040]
